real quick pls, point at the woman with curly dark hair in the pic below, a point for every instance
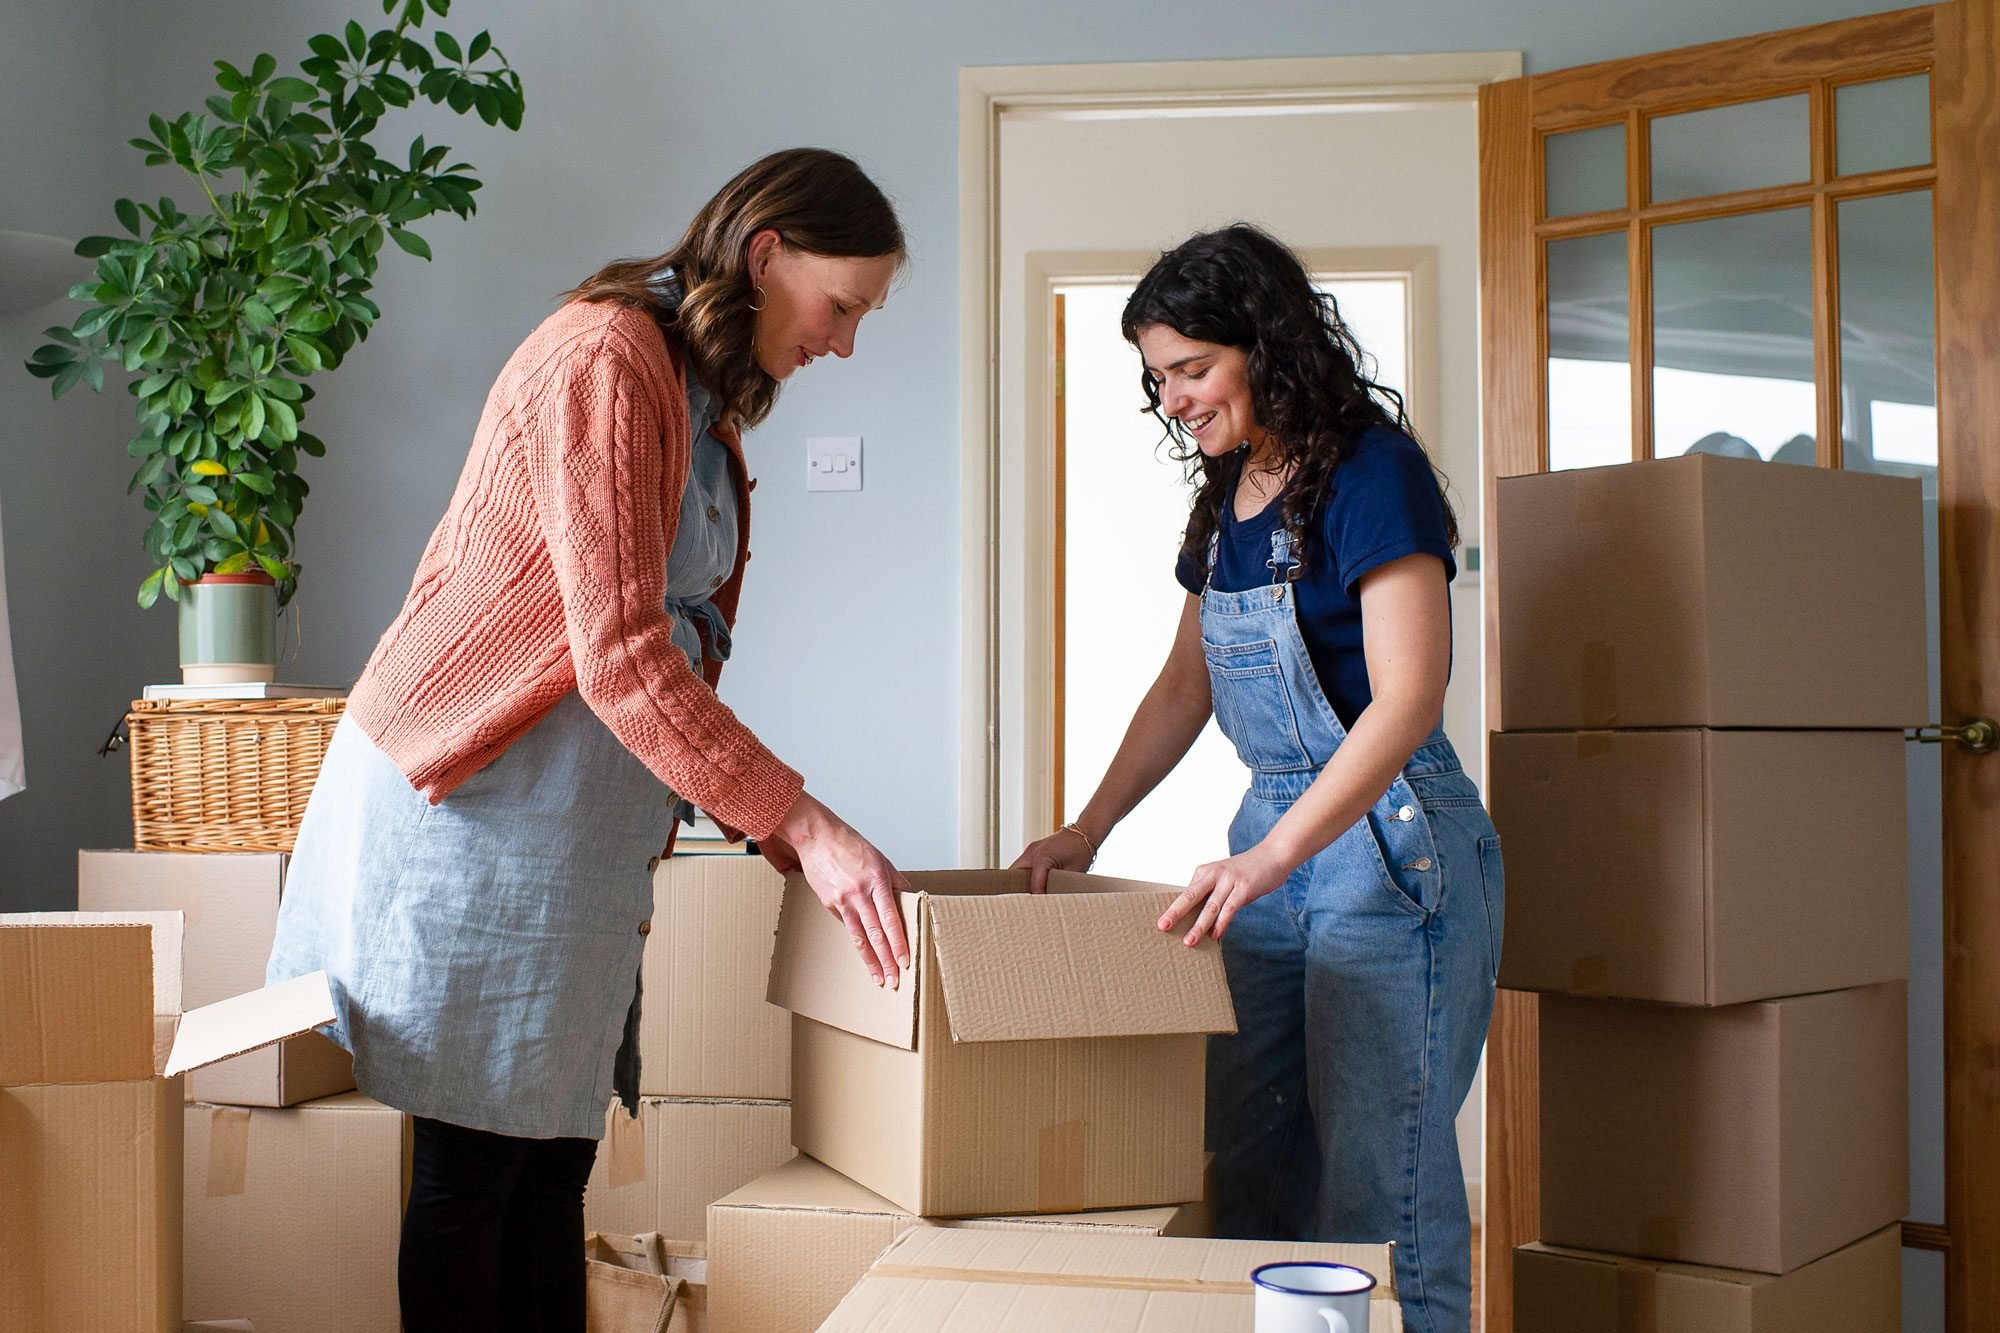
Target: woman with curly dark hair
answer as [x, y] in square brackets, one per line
[1359, 915]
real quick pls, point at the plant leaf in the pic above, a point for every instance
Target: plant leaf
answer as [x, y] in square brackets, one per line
[128, 215]
[411, 242]
[149, 591]
[289, 89]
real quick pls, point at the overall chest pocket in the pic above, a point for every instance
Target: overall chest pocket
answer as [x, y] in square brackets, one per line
[1254, 706]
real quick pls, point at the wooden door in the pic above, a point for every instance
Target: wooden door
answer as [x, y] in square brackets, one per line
[1793, 151]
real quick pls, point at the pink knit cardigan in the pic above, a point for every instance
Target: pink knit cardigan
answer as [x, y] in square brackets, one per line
[548, 573]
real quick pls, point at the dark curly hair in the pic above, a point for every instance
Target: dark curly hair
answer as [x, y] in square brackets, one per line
[1310, 383]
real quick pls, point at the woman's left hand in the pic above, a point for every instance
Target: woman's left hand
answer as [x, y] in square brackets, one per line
[1223, 888]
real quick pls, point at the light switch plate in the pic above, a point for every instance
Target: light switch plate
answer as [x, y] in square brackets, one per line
[833, 463]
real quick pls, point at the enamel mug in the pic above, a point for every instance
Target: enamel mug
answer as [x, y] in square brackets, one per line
[1312, 1298]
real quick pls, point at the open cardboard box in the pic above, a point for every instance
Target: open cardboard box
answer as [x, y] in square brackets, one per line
[90, 1112]
[1043, 1054]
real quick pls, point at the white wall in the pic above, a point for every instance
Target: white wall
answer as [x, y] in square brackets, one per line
[636, 112]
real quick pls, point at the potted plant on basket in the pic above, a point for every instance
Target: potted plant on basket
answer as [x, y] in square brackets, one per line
[222, 312]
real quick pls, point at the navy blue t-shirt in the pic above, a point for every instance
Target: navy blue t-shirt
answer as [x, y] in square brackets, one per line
[1384, 504]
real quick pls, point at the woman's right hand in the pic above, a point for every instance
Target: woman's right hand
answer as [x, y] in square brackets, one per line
[1064, 849]
[854, 881]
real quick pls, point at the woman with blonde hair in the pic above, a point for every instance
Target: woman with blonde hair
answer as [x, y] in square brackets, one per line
[473, 870]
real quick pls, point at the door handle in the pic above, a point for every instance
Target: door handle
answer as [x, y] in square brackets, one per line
[1978, 734]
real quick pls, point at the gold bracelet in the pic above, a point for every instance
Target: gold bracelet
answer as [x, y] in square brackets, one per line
[1072, 828]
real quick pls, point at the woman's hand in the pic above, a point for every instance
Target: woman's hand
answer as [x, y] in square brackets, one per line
[1064, 849]
[1223, 888]
[784, 857]
[854, 881]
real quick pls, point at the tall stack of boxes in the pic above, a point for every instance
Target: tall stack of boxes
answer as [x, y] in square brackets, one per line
[293, 1182]
[1707, 666]
[715, 1060]
[92, 1045]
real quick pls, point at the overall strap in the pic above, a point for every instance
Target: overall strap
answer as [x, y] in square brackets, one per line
[1284, 566]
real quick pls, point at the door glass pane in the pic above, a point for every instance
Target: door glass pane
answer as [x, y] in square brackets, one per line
[1728, 148]
[1590, 368]
[1882, 125]
[1584, 170]
[1125, 507]
[1733, 337]
[1889, 424]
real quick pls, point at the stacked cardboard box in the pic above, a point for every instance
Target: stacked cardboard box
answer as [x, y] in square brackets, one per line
[934, 1278]
[92, 1046]
[1039, 1068]
[282, 1159]
[715, 1059]
[1707, 664]
[786, 1247]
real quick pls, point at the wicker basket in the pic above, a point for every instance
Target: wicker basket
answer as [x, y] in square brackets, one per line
[225, 775]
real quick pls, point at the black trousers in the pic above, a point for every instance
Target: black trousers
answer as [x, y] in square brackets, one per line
[493, 1235]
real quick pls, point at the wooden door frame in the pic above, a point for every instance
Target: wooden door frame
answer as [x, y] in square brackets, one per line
[988, 94]
[1959, 42]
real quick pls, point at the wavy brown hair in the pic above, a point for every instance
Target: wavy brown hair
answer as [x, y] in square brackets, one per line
[1311, 386]
[818, 201]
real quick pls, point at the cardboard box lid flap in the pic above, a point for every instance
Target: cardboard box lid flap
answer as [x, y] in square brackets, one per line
[1064, 965]
[249, 1022]
[805, 1185]
[817, 972]
[79, 994]
[1082, 1258]
[168, 930]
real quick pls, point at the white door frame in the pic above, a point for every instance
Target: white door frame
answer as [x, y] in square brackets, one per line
[986, 95]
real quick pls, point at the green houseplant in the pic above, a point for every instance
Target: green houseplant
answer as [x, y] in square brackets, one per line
[222, 312]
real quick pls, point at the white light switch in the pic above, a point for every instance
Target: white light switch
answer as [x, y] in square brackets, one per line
[833, 463]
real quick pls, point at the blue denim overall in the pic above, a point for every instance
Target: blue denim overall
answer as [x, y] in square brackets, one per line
[1363, 984]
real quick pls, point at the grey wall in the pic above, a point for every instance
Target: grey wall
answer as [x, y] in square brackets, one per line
[848, 650]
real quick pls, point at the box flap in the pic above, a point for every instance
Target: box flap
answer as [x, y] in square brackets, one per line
[169, 930]
[248, 1022]
[805, 1185]
[816, 971]
[78, 996]
[1072, 964]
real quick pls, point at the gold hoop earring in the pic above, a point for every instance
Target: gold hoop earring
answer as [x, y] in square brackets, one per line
[758, 304]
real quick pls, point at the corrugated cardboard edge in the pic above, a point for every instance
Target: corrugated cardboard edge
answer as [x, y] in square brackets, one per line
[249, 1022]
[1072, 965]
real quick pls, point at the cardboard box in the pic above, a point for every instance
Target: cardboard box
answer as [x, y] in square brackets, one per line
[1853, 1290]
[1044, 1054]
[230, 905]
[786, 1247]
[644, 1284]
[1710, 592]
[935, 1278]
[705, 1029]
[90, 1134]
[1758, 1136]
[294, 1214]
[661, 1171]
[219, 1326]
[1702, 867]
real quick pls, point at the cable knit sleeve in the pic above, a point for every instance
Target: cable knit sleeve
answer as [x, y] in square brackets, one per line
[608, 457]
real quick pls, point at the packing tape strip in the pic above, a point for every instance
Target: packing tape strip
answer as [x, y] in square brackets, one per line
[1600, 684]
[1103, 1281]
[1660, 1237]
[1638, 1304]
[625, 1154]
[228, 1151]
[1059, 1168]
[1590, 975]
